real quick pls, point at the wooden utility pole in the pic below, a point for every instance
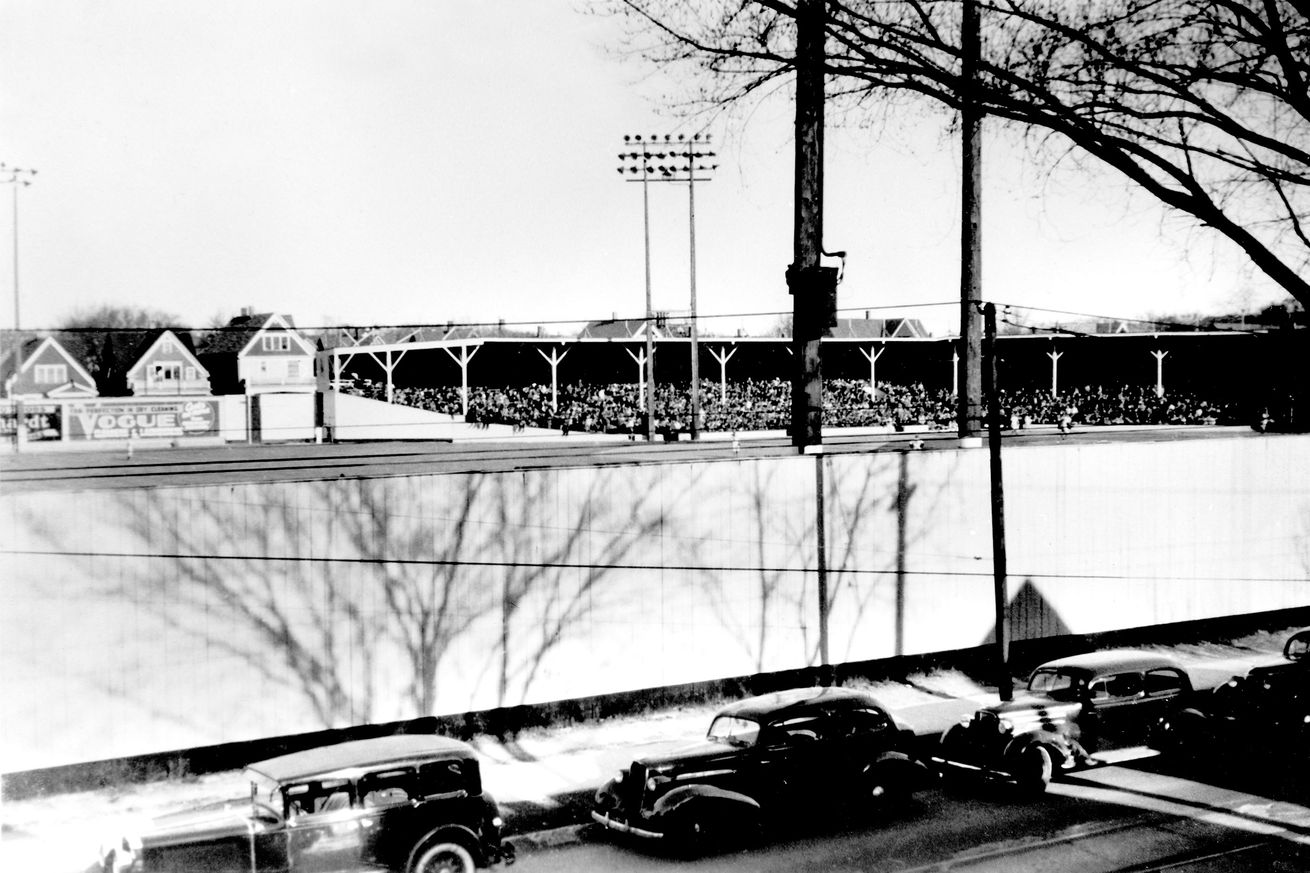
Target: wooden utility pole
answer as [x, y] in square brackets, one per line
[999, 568]
[969, 388]
[806, 279]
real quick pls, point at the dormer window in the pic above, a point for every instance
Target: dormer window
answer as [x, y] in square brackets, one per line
[51, 374]
[277, 342]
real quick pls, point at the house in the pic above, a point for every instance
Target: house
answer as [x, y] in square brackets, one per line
[44, 370]
[624, 328]
[257, 353]
[878, 328]
[166, 365]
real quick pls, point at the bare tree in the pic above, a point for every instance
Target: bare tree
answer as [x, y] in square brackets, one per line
[1204, 104]
[105, 338]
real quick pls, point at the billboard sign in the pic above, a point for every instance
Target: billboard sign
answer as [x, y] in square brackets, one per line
[42, 421]
[143, 419]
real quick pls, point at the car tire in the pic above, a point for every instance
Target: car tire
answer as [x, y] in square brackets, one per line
[1034, 769]
[885, 785]
[444, 858]
[694, 834]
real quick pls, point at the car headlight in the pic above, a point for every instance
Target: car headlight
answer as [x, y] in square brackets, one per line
[619, 778]
[1005, 725]
[497, 822]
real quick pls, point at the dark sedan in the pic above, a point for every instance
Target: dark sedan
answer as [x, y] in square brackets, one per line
[400, 803]
[764, 761]
[1073, 708]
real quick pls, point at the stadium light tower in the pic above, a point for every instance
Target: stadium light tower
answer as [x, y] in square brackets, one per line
[671, 159]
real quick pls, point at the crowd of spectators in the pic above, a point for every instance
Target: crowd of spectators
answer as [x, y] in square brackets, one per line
[765, 404]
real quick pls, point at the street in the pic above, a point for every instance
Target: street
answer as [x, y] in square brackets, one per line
[1115, 819]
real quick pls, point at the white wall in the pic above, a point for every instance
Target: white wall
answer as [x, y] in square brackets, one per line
[144, 620]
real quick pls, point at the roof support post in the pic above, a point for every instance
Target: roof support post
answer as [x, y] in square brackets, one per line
[722, 355]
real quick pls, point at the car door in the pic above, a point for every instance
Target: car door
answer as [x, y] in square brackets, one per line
[1113, 708]
[323, 827]
[792, 760]
[1164, 689]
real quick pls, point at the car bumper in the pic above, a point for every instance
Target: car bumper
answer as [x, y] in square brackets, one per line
[616, 824]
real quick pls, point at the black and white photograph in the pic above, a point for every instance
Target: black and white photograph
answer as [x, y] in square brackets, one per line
[655, 436]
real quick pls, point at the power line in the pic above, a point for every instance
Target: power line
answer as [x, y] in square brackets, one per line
[582, 565]
[499, 323]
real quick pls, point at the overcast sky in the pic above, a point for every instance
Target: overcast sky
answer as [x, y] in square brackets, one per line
[391, 161]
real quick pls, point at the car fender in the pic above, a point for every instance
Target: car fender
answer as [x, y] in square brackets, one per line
[680, 797]
[917, 773]
[1057, 744]
[450, 833]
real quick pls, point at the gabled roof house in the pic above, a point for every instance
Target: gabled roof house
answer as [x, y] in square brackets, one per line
[47, 371]
[257, 353]
[166, 365]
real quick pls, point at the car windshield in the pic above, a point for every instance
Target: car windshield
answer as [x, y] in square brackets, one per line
[1055, 683]
[734, 731]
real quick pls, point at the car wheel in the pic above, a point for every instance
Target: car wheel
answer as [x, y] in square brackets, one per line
[1035, 769]
[884, 786]
[695, 834]
[445, 858]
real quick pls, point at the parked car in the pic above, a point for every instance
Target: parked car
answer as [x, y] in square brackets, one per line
[765, 760]
[1264, 710]
[410, 803]
[1073, 708]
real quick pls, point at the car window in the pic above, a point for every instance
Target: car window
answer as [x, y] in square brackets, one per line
[1055, 683]
[319, 798]
[804, 729]
[1119, 686]
[388, 788]
[1164, 681]
[443, 777]
[1297, 646]
[869, 721]
[734, 731]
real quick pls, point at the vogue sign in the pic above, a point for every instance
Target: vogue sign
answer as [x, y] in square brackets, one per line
[143, 420]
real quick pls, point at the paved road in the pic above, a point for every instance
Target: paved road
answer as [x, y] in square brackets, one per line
[1118, 819]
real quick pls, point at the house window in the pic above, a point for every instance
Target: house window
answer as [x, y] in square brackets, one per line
[277, 342]
[293, 369]
[191, 374]
[167, 347]
[166, 371]
[51, 374]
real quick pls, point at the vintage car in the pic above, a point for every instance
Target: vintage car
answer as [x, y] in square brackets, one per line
[1073, 708]
[1264, 710]
[411, 803]
[765, 761]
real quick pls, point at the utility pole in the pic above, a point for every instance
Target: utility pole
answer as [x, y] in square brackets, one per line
[999, 569]
[969, 391]
[17, 177]
[813, 287]
[680, 159]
